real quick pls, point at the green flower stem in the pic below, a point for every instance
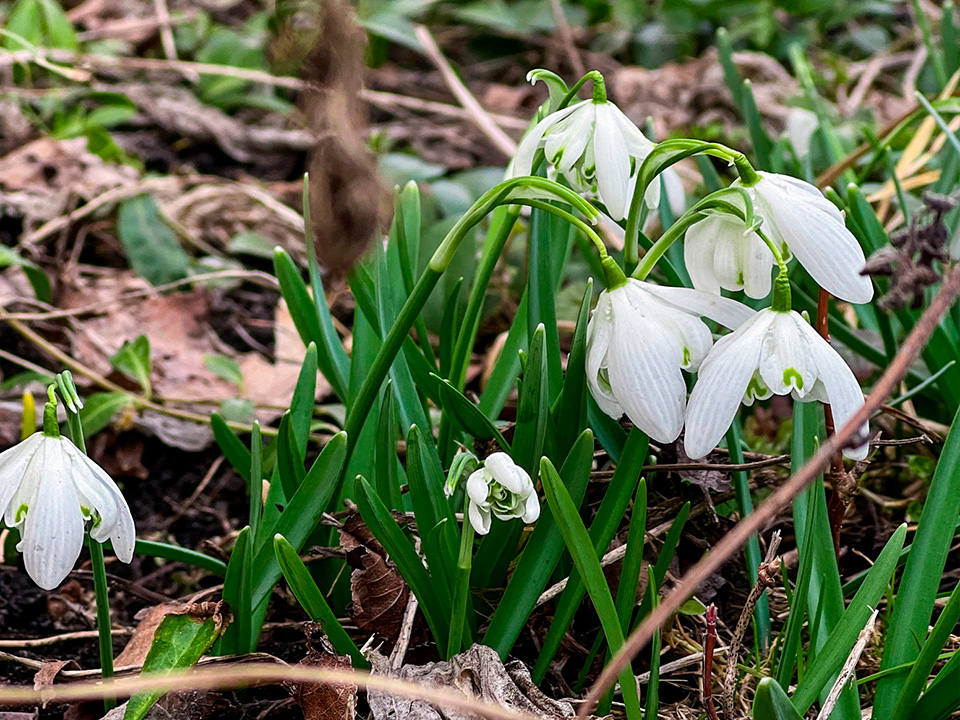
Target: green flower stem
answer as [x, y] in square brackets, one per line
[661, 246]
[596, 78]
[461, 587]
[103, 616]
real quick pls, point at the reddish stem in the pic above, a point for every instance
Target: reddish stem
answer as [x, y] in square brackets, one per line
[709, 643]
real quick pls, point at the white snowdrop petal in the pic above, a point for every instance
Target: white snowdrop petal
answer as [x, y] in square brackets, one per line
[758, 260]
[531, 508]
[725, 311]
[572, 141]
[527, 150]
[698, 253]
[638, 145]
[13, 464]
[840, 385]
[480, 518]
[695, 336]
[723, 379]
[645, 375]
[599, 331]
[506, 472]
[784, 360]
[53, 529]
[727, 255]
[95, 489]
[813, 229]
[477, 489]
[612, 161]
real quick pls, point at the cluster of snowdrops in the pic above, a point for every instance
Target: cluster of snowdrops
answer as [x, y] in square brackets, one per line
[641, 337]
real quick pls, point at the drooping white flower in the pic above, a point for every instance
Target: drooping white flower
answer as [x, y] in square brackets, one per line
[720, 252]
[797, 215]
[595, 147]
[639, 338]
[50, 489]
[774, 353]
[501, 488]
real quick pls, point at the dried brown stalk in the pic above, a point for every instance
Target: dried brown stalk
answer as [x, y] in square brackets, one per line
[709, 646]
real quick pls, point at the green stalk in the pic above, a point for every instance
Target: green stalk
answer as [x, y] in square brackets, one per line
[461, 587]
[103, 616]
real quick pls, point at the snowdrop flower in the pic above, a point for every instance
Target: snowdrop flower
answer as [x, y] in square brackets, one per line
[50, 489]
[639, 338]
[502, 488]
[720, 252]
[797, 217]
[774, 353]
[594, 146]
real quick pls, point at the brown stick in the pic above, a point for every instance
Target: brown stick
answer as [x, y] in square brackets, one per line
[731, 543]
[709, 644]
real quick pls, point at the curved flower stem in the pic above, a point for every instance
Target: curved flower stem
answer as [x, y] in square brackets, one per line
[99, 570]
[661, 246]
[462, 584]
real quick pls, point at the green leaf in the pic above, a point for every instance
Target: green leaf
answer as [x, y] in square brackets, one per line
[35, 275]
[633, 559]
[921, 577]
[387, 463]
[98, 410]
[152, 548]
[771, 703]
[230, 445]
[934, 645]
[540, 556]
[587, 562]
[468, 416]
[302, 402]
[225, 368]
[133, 360]
[532, 415]
[570, 416]
[237, 638]
[941, 699]
[653, 687]
[400, 549]
[830, 659]
[289, 463]
[301, 514]
[150, 244]
[313, 602]
[42, 23]
[179, 642]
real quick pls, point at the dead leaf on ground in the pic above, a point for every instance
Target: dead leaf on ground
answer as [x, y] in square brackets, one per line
[47, 674]
[477, 673]
[19, 715]
[326, 701]
[379, 592]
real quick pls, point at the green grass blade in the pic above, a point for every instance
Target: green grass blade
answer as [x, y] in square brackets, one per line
[921, 578]
[313, 602]
[570, 417]
[540, 556]
[468, 416]
[236, 593]
[231, 446]
[771, 703]
[941, 698]
[387, 464]
[152, 548]
[585, 558]
[633, 558]
[653, 686]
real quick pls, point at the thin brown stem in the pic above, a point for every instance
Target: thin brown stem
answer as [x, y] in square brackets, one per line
[709, 646]
[731, 543]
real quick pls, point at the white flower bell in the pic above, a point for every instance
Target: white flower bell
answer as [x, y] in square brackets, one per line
[50, 489]
[774, 353]
[501, 488]
[595, 147]
[797, 217]
[720, 252]
[639, 338]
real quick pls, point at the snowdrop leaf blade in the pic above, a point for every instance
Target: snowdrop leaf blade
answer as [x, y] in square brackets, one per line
[468, 416]
[569, 416]
[531, 424]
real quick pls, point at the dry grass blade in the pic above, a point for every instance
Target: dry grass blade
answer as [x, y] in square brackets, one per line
[734, 540]
[247, 675]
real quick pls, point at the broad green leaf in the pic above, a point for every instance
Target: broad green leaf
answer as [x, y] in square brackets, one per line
[532, 404]
[150, 244]
[133, 360]
[100, 408]
[918, 587]
[225, 368]
[313, 602]
[289, 463]
[771, 703]
[179, 642]
[587, 562]
[42, 23]
[540, 556]
[302, 402]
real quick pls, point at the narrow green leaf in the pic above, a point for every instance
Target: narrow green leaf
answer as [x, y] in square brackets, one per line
[940, 700]
[762, 144]
[468, 416]
[507, 366]
[633, 559]
[531, 426]
[653, 687]
[152, 548]
[731, 75]
[133, 360]
[302, 402]
[237, 638]
[540, 556]
[587, 562]
[313, 602]
[179, 642]
[830, 659]
[771, 703]
[921, 576]
[570, 416]
[230, 445]
[289, 464]
[225, 368]
[99, 409]
[387, 462]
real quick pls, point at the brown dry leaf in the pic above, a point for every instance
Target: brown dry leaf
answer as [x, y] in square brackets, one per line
[378, 590]
[478, 673]
[327, 701]
[47, 674]
[20, 715]
[42, 179]
[139, 643]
